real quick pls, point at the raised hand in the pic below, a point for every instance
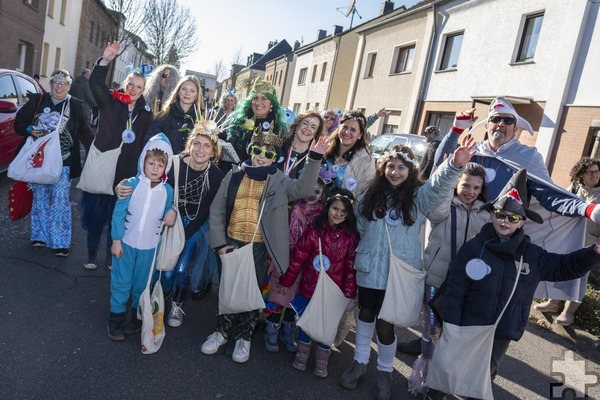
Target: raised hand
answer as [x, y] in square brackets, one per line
[110, 52]
[464, 120]
[383, 113]
[320, 146]
[462, 155]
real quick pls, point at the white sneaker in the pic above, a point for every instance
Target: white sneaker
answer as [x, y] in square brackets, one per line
[212, 344]
[241, 353]
[176, 315]
[90, 265]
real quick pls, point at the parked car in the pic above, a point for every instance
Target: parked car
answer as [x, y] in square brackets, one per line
[380, 144]
[14, 89]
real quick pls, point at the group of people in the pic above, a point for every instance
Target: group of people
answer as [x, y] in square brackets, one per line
[308, 197]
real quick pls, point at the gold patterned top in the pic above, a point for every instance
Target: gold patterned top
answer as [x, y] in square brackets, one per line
[246, 208]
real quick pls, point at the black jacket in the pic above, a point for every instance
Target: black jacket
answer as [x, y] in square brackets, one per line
[113, 121]
[468, 302]
[77, 126]
[176, 126]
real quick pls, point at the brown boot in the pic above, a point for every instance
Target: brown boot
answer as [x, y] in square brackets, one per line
[321, 360]
[302, 354]
[567, 317]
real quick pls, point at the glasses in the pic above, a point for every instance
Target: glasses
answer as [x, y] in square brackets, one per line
[58, 83]
[513, 219]
[507, 120]
[593, 172]
[164, 75]
[258, 151]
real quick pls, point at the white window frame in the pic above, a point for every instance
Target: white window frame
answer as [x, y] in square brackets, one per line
[448, 50]
[528, 40]
[302, 76]
[403, 58]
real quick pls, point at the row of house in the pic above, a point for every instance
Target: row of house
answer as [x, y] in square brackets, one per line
[40, 36]
[438, 57]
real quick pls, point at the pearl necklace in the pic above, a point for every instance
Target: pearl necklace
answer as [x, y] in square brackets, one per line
[204, 188]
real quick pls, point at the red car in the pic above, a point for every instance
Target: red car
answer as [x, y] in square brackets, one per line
[14, 89]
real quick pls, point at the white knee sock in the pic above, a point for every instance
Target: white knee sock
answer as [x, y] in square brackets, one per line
[385, 358]
[364, 334]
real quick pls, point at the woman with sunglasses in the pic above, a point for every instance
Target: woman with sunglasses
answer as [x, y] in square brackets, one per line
[234, 216]
[349, 164]
[180, 113]
[306, 128]
[161, 84]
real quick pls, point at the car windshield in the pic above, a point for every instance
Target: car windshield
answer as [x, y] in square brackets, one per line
[381, 143]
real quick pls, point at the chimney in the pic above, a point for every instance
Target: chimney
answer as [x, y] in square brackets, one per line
[321, 33]
[337, 29]
[296, 45]
[386, 7]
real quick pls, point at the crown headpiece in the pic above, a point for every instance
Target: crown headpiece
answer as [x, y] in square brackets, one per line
[263, 138]
[261, 86]
[405, 157]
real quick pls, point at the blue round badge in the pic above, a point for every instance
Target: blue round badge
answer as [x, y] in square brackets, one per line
[317, 264]
[266, 125]
[393, 217]
[147, 108]
[128, 136]
[351, 183]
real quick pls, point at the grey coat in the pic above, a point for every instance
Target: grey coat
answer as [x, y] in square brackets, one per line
[279, 191]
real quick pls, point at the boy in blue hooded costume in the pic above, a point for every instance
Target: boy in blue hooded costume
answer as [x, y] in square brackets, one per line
[136, 226]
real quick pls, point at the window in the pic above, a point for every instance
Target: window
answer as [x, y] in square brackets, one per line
[403, 59]
[370, 66]
[21, 54]
[390, 128]
[442, 120]
[280, 73]
[307, 106]
[92, 32]
[314, 74]
[302, 76]
[57, 59]
[32, 3]
[45, 59]
[323, 70]
[7, 89]
[275, 80]
[451, 51]
[63, 11]
[51, 8]
[26, 87]
[296, 108]
[529, 37]
[316, 106]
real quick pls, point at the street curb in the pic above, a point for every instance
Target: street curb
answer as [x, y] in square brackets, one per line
[583, 341]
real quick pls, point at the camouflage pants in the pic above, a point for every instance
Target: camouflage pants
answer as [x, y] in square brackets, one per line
[244, 324]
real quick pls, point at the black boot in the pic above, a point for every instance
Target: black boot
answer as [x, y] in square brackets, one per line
[412, 347]
[116, 326]
[133, 324]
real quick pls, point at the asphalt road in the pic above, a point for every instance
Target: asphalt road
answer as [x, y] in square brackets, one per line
[54, 344]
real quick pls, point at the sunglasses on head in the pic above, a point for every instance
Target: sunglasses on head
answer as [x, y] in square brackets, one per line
[164, 75]
[501, 215]
[507, 120]
[258, 151]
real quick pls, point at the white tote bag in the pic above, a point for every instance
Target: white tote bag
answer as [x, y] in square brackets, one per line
[461, 360]
[324, 311]
[38, 161]
[172, 237]
[151, 311]
[99, 170]
[238, 289]
[403, 293]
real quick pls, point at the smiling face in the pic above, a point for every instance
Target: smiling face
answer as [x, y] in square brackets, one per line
[154, 168]
[59, 87]
[134, 87]
[307, 129]
[316, 196]
[500, 133]
[396, 172]
[261, 160]
[260, 105]
[201, 151]
[469, 188]
[337, 213]
[188, 93]
[229, 103]
[503, 227]
[591, 176]
[349, 134]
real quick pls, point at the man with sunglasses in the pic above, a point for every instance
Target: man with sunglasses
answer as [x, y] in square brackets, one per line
[501, 154]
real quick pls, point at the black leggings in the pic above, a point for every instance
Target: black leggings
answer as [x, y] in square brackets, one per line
[369, 302]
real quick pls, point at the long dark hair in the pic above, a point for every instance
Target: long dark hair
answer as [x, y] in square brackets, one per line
[321, 221]
[361, 143]
[381, 196]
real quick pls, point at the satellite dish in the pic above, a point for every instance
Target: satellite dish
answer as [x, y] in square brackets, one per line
[350, 7]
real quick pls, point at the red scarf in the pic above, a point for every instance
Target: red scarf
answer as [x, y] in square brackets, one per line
[122, 97]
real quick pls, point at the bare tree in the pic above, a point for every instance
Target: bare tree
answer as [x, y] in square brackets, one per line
[170, 31]
[132, 22]
[237, 56]
[220, 70]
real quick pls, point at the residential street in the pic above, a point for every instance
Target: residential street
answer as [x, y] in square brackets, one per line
[54, 344]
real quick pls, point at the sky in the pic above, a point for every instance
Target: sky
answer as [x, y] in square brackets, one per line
[226, 26]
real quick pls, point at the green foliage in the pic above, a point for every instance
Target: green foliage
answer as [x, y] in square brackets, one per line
[588, 315]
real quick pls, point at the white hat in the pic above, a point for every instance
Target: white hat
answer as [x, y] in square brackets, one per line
[502, 106]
